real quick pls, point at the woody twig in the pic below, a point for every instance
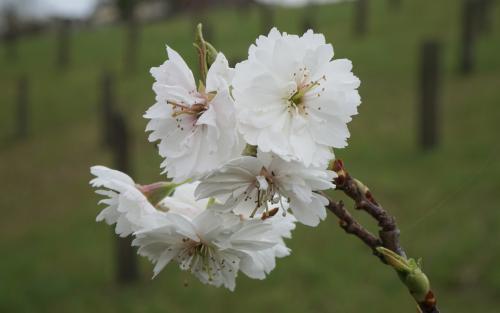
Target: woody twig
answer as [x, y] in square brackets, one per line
[387, 245]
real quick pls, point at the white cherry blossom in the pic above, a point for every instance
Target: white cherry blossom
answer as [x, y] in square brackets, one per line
[293, 99]
[196, 127]
[213, 246]
[248, 185]
[290, 103]
[126, 205]
[259, 263]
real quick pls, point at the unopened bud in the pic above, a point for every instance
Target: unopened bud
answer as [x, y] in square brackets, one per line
[211, 53]
[158, 191]
[206, 52]
[338, 167]
[409, 272]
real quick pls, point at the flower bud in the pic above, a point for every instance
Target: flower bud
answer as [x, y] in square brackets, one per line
[211, 53]
[409, 272]
[158, 191]
[206, 52]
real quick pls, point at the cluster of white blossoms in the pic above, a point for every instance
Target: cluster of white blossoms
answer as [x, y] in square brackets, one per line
[252, 141]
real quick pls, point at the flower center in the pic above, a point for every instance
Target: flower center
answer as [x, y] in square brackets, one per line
[267, 192]
[196, 109]
[193, 253]
[193, 111]
[296, 102]
[200, 257]
[297, 99]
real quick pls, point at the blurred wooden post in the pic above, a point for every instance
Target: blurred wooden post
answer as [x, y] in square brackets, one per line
[467, 51]
[63, 44]
[116, 137]
[430, 84]
[266, 17]
[127, 270]
[131, 34]
[22, 127]
[107, 106]
[360, 17]
[11, 35]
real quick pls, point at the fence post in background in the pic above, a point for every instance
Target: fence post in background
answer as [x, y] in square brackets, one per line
[106, 107]
[429, 93]
[22, 112]
[469, 26]
[116, 138]
[131, 29]
[63, 44]
[360, 17]
[11, 35]
[126, 257]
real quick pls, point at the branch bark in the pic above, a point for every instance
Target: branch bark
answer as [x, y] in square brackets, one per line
[388, 233]
[364, 200]
[351, 226]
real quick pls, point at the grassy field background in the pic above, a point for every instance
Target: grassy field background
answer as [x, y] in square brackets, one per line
[55, 258]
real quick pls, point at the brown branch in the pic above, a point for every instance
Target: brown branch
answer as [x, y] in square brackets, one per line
[364, 200]
[351, 226]
[388, 233]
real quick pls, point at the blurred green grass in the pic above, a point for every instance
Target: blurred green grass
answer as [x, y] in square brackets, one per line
[55, 258]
